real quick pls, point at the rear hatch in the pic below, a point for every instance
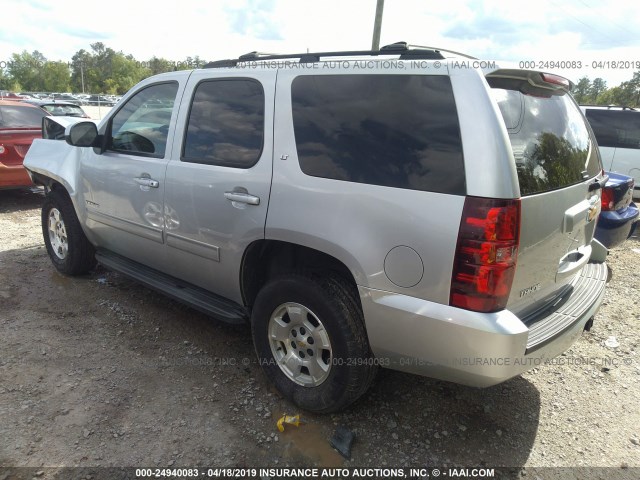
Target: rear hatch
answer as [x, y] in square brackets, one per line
[558, 166]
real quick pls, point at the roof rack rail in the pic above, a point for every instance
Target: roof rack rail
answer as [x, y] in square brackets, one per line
[445, 50]
[623, 107]
[405, 51]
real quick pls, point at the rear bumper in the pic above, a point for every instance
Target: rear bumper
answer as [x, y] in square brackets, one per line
[14, 176]
[615, 227]
[471, 348]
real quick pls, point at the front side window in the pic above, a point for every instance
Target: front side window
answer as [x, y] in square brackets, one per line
[141, 126]
[226, 123]
[550, 140]
[615, 128]
[397, 131]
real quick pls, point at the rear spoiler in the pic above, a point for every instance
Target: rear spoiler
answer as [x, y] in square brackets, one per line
[529, 82]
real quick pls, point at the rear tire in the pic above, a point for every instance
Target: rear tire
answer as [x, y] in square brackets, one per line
[68, 247]
[309, 335]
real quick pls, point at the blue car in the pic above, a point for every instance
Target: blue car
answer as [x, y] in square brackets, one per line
[619, 215]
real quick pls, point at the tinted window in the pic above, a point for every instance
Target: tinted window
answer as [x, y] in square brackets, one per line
[615, 128]
[549, 139]
[17, 116]
[141, 126]
[390, 130]
[226, 123]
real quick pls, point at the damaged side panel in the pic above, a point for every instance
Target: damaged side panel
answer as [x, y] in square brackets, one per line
[51, 161]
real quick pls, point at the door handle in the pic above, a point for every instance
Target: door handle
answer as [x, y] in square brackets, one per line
[242, 198]
[147, 182]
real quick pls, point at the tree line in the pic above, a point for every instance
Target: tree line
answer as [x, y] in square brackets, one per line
[103, 70]
[98, 70]
[595, 92]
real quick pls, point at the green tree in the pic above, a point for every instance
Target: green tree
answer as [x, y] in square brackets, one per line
[581, 90]
[27, 70]
[56, 77]
[103, 70]
[4, 80]
[83, 74]
[598, 86]
[160, 65]
[612, 96]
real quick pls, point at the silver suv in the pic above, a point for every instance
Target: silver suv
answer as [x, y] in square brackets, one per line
[395, 208]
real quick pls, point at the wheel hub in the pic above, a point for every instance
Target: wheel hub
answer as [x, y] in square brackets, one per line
[58, 234]
[300, 344]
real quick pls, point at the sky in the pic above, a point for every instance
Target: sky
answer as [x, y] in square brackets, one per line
[589, 33]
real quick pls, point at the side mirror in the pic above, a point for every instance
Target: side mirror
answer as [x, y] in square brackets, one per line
[81, 134]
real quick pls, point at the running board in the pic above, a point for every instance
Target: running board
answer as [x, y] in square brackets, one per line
[195, 297]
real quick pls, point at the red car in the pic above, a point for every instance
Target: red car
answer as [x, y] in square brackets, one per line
[20, 123]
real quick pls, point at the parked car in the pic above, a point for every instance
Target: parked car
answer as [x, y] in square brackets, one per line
[355, 217]
[59, 109]
[619, 215]
[100, 100]
[69, 99]
[20, 123]
[617, 130]
[4, 95]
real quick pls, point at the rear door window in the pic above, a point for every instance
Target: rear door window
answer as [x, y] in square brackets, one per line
[392, 130]
[226, 123]
[550, 141]
[18, 116]
[615, 128]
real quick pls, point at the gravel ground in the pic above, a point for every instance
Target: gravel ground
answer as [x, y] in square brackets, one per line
[99, 371]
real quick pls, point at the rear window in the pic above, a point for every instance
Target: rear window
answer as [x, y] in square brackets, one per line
[550, 141]
[391, 130]
[18, 116]
[64, 110]
[615, 128]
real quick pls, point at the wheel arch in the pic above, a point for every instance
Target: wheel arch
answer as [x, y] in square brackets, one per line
[265, 259]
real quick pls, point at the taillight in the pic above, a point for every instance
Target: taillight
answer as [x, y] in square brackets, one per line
[486, 254]
[607, 199]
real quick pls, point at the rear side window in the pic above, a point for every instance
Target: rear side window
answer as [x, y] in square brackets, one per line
[16, 116]
[226, 123]
[392, 130]
[550, 141]
[615, 128]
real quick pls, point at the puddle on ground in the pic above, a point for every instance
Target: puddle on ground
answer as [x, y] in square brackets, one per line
[309, 441]
[60, 280]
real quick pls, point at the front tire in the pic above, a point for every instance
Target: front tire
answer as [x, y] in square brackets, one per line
[68, 247]
[309, 335]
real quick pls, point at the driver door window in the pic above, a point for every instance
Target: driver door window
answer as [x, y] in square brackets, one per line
[141, 126]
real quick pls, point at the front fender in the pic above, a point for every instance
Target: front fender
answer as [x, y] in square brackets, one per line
[56, 160]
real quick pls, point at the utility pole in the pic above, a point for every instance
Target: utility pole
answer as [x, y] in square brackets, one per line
[82, 75]
[377, 26]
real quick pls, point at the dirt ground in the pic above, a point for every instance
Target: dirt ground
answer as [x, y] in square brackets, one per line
[99, 371]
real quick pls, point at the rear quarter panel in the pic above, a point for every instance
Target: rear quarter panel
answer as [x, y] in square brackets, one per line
[359, 224]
